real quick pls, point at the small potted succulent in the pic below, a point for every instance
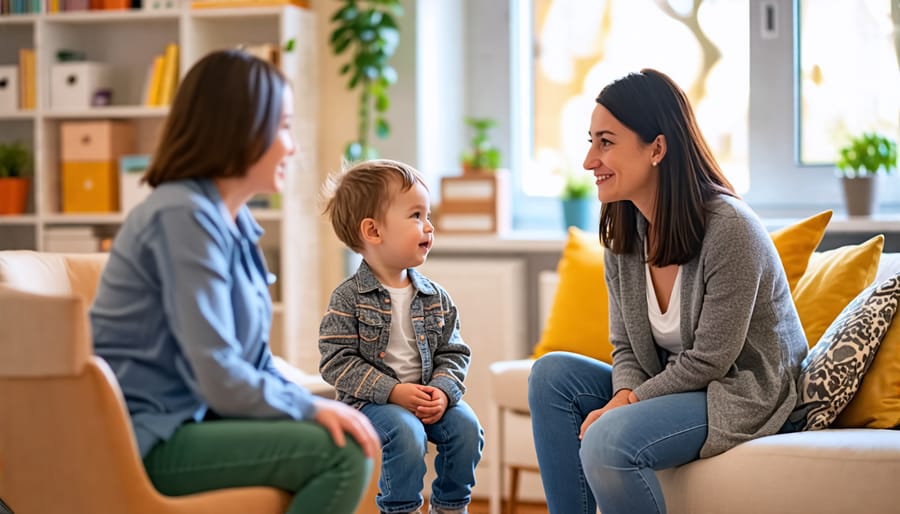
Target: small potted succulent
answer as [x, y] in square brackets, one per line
[15, 171]
[578, 196]
[482, 156]
[858, 164]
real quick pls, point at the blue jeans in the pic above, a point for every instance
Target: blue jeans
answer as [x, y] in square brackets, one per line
[620, 451]
[459, 439]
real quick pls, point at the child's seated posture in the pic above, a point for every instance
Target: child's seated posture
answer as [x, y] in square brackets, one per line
[390, 340]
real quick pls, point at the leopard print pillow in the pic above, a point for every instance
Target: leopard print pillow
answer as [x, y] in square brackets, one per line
[830, 375]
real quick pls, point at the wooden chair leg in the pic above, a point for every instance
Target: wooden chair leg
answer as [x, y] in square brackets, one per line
[511, 506]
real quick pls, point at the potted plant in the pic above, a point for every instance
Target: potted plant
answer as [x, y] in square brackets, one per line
[482, 155]
[859, 163]
[367, 29]
[15, 170]
[578, 196]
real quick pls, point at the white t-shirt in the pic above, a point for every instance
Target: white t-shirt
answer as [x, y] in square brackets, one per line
[666, 327]
[402, 353]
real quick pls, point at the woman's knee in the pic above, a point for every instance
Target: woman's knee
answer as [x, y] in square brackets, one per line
[608, 442]
[544, 373]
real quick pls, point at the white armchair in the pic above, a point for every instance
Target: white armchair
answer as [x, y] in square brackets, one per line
[514, 450]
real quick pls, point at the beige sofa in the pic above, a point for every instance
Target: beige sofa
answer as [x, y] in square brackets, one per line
[829, 471]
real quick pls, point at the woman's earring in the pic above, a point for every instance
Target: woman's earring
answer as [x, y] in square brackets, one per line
[654, 163]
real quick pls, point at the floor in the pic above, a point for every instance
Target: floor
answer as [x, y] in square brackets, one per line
[481, 507]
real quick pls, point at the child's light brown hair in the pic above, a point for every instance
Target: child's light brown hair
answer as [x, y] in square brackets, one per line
[364, 191]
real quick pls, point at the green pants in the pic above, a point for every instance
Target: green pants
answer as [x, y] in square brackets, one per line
[296, 456]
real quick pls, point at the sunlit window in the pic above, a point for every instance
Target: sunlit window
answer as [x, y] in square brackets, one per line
[848, 74]
[581, 45]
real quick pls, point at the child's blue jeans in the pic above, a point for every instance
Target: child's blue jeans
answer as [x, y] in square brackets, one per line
[459, 439]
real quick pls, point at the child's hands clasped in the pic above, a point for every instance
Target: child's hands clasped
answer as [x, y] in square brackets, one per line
[433, 410]
[426, 402]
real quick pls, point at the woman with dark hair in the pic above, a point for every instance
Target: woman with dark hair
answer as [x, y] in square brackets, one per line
[182, 313]
[706, 341]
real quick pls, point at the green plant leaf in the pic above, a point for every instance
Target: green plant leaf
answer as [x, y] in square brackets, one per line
[866, 154]
[382, 128]
[382, 102]
[289, 45]
[367, 32]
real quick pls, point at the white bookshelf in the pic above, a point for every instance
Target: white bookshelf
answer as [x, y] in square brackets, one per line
[128, 41]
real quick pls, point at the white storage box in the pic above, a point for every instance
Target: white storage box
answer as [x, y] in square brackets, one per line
[71, 240]
[9, 88]
[74, 84]
[131, 190]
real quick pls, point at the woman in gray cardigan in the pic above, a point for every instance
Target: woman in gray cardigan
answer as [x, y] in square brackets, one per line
[706, 341]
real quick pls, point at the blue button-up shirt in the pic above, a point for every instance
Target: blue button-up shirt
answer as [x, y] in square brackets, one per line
[182, 315]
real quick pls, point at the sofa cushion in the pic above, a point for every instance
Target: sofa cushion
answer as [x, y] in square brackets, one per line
[877, 403]
[831, 373]
[823, 472]
[797, 242]
[832, 279]
[579, 319]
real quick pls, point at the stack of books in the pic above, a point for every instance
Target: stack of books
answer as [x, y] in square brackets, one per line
[162, 78]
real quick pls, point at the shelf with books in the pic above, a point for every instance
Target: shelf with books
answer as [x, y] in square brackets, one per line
[129, 42]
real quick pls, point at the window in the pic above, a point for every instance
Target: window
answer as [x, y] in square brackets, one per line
[581, 45]
[776, 86]
[847, 74]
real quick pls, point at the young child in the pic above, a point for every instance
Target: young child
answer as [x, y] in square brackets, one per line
[390, 340]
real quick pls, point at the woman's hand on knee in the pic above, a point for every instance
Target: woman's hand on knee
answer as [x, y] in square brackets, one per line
[338, 418]
[622, 397]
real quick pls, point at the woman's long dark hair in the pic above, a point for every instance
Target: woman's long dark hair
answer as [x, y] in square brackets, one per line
[650, 104]
[225, 115]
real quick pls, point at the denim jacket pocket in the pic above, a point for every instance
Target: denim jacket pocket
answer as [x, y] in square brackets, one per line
[434, 329]
[370, 326]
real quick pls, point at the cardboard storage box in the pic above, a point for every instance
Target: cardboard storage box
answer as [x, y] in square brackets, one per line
[101, 140]
[90, 186]
[74, 84]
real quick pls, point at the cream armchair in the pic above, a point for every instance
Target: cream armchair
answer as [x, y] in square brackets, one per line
[66, 443]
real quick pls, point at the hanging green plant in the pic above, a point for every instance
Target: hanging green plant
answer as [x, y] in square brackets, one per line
[367, 31]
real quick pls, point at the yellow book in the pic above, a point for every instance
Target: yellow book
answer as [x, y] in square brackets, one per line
[27, 95]
[156, 71]
[169, 76]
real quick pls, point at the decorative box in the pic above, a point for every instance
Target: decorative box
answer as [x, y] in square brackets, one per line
[9, 88]
[101, 140]
[90, 186]
[475, 203]
[73, 85]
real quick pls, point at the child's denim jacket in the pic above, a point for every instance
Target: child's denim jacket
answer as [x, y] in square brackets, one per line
[354, 335]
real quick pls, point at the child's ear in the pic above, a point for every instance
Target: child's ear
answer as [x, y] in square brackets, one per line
[369, 230]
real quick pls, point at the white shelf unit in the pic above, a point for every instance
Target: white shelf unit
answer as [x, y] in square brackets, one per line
[128, 42]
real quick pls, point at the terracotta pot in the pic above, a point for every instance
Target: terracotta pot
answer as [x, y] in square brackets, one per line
[13, 195]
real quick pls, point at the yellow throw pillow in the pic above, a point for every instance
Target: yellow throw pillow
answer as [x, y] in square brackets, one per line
[877, 402]
[578, 320]
[797, 242]
[831, 281]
